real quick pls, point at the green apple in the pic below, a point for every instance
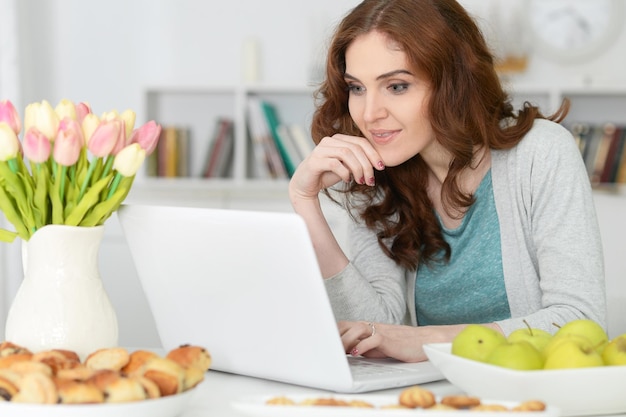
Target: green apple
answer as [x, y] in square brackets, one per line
[572, 351]
[587, 328]
[557, 340]
[516, 355]
[537, 337]
[476, 342]
[614, 352]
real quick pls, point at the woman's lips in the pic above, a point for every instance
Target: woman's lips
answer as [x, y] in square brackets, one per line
[382, 137]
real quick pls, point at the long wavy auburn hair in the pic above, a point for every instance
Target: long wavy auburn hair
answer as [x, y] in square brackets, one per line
[466, 109]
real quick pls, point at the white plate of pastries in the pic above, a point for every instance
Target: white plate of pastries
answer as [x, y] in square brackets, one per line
[411, 401]
[108, 382]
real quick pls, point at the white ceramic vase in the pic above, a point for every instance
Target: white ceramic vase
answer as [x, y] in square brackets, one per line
[61, 303]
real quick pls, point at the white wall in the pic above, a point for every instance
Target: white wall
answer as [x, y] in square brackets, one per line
[107, 52]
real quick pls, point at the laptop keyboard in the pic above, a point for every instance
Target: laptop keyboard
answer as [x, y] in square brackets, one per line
[361, 367]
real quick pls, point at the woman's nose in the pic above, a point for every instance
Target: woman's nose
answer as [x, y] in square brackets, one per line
[374, 108]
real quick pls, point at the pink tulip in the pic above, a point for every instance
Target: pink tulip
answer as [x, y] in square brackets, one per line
[120, 143]
[104, 138]
[68, 143]
[9, 115]
[9, 144]
[37, 147]
[82, 110]
[147, 136]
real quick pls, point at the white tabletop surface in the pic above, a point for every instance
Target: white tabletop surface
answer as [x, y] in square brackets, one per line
[216, 393]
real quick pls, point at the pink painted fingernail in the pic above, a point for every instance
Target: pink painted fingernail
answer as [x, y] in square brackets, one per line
[362, 180]
[371, 181]
[354, 352]
[380, 165]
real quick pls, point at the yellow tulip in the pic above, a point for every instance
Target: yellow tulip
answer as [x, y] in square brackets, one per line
[9, 145]
[89, 125]
[43, 117]
[66, 108]
[128, 116]
[128, 160]
[110, 115]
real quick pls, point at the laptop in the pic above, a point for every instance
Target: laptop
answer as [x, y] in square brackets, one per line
[246, 285]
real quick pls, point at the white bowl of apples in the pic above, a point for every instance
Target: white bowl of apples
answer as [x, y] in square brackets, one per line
[579, 373]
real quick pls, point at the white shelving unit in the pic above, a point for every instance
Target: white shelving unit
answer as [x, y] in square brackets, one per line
[199, 108]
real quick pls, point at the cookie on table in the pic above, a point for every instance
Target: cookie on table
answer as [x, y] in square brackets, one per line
[460, 401]
[417, 397]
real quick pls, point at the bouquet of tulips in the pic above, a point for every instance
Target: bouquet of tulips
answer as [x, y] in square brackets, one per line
[80, 166]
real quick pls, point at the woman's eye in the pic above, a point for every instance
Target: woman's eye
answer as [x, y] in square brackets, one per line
[355, 89]
[399, 88]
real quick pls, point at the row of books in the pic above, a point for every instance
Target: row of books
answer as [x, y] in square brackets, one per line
[277, 147]
[603, 148]
[171, 156]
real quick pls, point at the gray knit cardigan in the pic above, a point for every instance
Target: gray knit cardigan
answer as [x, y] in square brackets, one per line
[551, 248]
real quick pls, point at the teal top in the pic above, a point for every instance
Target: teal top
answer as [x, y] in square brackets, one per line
[470, 288]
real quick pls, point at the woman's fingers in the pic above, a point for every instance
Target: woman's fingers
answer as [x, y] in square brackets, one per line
[378, 340]
[356, 154]
[337, 158]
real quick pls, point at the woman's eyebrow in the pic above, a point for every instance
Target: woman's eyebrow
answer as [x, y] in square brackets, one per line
[382, 76]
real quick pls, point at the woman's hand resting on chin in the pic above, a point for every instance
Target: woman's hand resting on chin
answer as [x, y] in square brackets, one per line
[337, 158]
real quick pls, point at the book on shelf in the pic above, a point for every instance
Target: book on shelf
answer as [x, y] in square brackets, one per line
[301, 139]
[603, 149]
[281, 137]
[268, 162]
[171, 156]
[284, 145]
[612, 157]
[219, 159]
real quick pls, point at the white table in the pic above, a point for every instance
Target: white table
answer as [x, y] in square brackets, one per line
[215, 395]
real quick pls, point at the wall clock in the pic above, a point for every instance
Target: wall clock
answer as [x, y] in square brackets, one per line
[574, 30]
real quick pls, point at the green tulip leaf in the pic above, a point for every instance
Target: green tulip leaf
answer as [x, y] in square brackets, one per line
[55, 199]
[7, 236]
[89, 200]
[12, 215]
[103, 210]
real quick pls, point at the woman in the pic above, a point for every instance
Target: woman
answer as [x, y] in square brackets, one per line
[465, 210]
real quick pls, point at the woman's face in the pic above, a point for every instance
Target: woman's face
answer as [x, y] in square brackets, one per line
[387, 100]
